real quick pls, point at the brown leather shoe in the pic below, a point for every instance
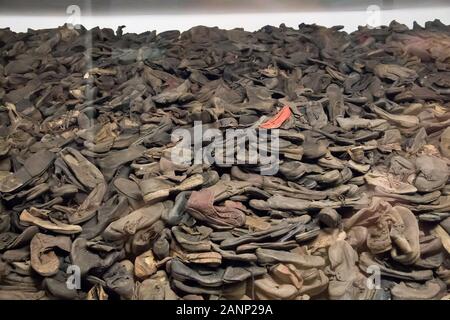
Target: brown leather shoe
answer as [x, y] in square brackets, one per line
[200, 206]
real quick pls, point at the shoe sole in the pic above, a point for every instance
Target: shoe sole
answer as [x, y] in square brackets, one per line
[156, 196]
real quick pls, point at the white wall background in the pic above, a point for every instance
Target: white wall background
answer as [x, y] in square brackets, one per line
[143, 21]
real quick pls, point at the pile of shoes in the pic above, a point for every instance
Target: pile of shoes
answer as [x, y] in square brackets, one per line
[94, 205]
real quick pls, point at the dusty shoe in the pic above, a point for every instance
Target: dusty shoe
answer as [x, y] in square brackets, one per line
[200, 206]
[293, 170]
[360, 123]
[314, 146]
[431, 290]
[155, 189]
[205, 277]
[407, 247]
[347, 283]
[33, 167]
[416, 198]
[259, 236]
[329, 217]
[145, 238]
[114, 160]
[366, 260]
[115, 208]
[326, 178]
[225, 189]
[20, 240]
[389, 228]
[270, 257]
[136, 220]
[145, 265]
[433, 173]
[97, 292]
[86, 172]
[130, 190]
[174, 216]
[331, 162]
[309, 282]
[388, 183]
[357, 237]
[268, 289]
[278, 245]
[287, 274]
[43, 259]
[57, 287]
[233, 256]
[156, 287]
[406, 121]
[193, 240]
[278, 202]
[33, 216]
[395, 72]
[212, 259]
[90, 205]
[87, 257]
[119, 278]
[314, 282]
[431, 252]
[158, 189]
[161, 247]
